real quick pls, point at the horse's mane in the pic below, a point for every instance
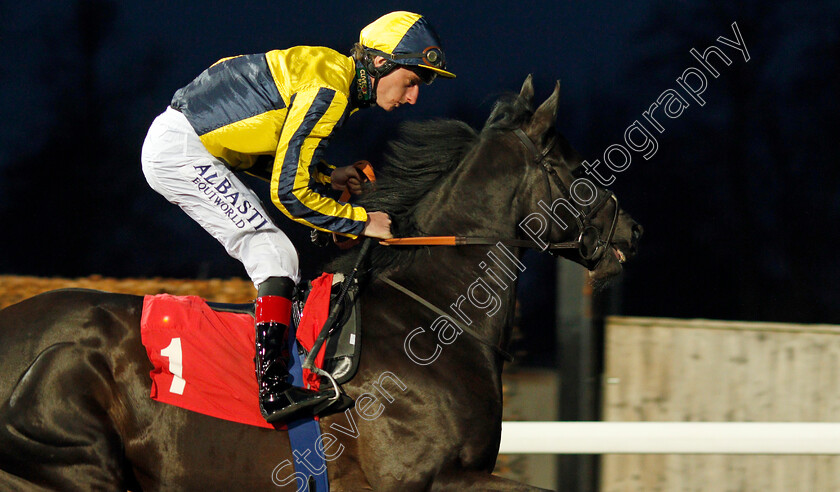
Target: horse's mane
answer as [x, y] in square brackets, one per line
[415, 162]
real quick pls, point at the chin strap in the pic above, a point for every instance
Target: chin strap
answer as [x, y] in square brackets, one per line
[366, 69]
[365, 87]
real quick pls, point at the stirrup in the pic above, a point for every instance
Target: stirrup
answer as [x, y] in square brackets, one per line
[338, 402]
[330, 407]
[286, 407]
[336, 389]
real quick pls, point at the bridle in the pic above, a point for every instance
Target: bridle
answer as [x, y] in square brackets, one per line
[587, 235]
[583, 219]
[591, 258]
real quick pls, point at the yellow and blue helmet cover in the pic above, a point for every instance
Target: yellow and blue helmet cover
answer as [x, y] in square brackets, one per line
[406, 38]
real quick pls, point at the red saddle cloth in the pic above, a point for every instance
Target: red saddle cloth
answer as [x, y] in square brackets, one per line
[204, 359]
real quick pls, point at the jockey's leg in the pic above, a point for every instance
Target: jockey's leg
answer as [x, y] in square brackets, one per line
[179, 167]
[279, 400]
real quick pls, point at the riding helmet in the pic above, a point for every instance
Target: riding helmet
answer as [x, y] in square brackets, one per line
[404, 38]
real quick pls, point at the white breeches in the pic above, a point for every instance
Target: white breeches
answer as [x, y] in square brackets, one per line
[179, 167]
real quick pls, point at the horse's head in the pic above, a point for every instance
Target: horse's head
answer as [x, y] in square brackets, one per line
[561, 210]
[517, 181]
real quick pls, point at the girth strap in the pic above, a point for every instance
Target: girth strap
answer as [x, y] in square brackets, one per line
[440, 312]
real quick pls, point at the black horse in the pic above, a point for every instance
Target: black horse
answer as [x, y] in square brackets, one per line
[76, 413]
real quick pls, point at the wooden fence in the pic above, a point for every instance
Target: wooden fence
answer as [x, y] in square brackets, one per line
[17, 288]
[713, 371]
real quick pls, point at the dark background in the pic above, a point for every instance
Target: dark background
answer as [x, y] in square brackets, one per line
[740, 203]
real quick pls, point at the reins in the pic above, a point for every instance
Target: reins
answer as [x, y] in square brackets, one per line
[469, 331]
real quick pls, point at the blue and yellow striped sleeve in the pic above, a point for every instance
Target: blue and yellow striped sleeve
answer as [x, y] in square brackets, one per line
[310, 121]
[322, 172]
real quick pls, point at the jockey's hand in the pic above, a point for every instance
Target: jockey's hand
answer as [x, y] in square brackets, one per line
[378, 226]
[347, 178]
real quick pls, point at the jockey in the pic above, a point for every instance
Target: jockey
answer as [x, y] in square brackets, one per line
[271, 115]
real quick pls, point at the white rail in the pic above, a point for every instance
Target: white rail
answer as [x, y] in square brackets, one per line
[670, 438]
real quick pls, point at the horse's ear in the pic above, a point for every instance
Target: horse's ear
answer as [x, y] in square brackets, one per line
[545, 116]
[527, 91]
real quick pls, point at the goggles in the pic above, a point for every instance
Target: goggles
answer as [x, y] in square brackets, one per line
[430, 57]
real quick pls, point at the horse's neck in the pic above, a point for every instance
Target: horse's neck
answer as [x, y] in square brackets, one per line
[474, 285]
[479, 198]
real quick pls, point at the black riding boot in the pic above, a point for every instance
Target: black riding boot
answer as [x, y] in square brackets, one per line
[279, 400]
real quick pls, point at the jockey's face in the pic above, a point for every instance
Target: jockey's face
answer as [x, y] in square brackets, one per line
[400, 86]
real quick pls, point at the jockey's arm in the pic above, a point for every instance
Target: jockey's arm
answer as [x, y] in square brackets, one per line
[311, 120]
[347, 178]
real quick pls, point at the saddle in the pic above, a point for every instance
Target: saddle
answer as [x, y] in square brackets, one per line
[339, 355]
[203, 352]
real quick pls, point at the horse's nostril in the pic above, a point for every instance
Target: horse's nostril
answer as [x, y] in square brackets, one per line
[638, 230]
